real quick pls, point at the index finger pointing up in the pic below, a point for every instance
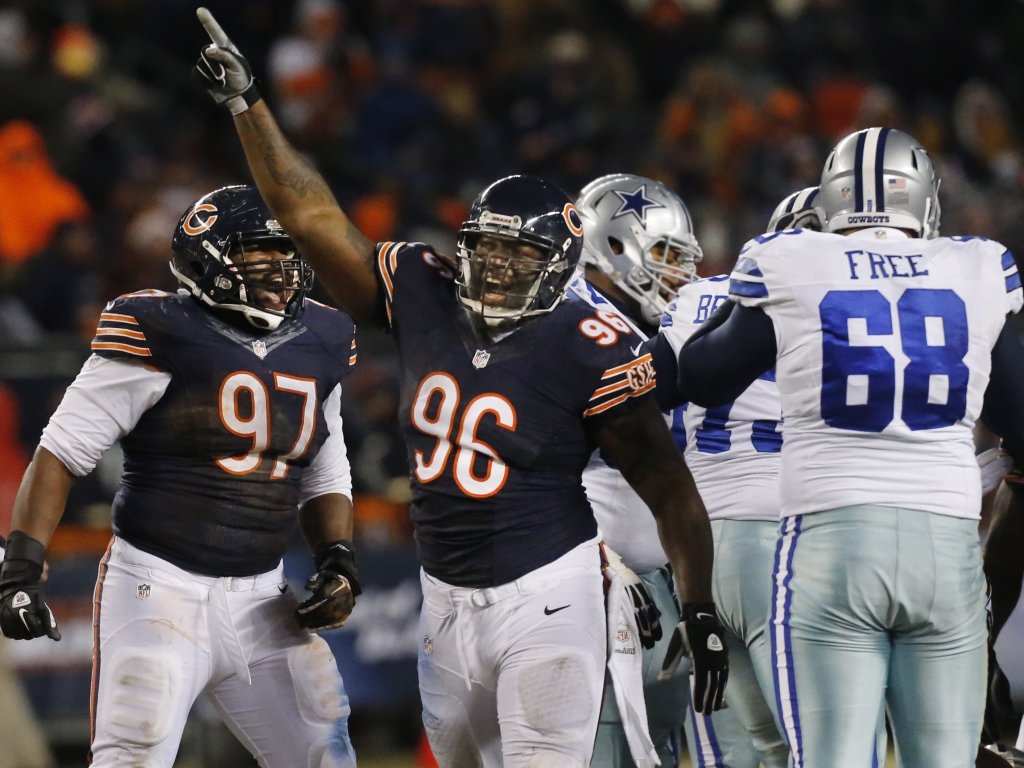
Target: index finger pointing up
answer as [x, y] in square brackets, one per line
[213, 28]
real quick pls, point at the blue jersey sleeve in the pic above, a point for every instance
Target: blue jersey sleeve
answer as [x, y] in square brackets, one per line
[402, 267]
[614, 373]
[125, 331]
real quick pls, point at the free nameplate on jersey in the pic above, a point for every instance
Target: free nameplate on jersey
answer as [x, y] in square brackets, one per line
[884, 265]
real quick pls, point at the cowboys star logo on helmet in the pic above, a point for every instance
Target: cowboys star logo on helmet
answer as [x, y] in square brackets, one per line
[635, 203]
[639, 233]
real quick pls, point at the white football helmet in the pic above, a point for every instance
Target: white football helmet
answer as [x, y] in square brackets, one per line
[880, 177]
[639, 233]
[801, 210]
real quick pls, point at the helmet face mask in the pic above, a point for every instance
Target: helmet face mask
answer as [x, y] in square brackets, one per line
[639, 233]
[500, 277]
[230, 254]
[270, 275]
[517, 252]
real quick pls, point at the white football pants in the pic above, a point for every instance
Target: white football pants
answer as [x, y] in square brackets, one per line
[163, 635]
[511, 676]
[877, 603]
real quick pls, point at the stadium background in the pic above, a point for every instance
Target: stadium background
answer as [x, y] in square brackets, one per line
[409, 107]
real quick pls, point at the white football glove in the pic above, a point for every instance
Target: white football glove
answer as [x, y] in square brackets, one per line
[648, 617]
[223, 71]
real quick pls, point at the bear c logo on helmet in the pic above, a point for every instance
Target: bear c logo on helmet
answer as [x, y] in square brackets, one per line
[201, 225]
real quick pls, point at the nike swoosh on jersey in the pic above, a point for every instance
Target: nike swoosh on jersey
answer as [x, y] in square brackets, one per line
[700, 616]
[636, 350]
[549, 611]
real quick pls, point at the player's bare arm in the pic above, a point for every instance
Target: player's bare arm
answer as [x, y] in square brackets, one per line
[42, 496]
[38, 508]
[295, 192]
[640, 445]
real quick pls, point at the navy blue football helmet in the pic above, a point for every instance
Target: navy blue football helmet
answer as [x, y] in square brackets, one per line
[210, 245]
[518, 250]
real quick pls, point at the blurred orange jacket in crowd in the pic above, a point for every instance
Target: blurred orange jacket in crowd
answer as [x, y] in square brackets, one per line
[34, 199]
[13, 460]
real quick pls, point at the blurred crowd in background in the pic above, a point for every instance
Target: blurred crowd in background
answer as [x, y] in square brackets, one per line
[410, 107]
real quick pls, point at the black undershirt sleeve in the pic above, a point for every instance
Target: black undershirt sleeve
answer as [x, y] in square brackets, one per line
[1003, 410]
[666, 390]
[726, 355]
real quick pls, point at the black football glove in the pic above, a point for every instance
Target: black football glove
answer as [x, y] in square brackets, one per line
[700, 635]
[23, 612]
[335, 586]
[648, 617]
[223, 71]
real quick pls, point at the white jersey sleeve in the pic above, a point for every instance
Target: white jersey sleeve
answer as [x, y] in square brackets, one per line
[733, 451]
[102, 405]
[330, 471]
[884, 354]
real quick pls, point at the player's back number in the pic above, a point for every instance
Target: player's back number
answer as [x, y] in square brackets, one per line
[858, 382]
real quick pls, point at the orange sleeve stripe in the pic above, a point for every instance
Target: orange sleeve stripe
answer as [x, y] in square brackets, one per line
[121, 332]
[116, 318]
[605, 406]
[382, 268]
[394, 258]
[609, 389]
[625, 367]
[353, 344]
[618, 400]
[644, 389]
[352, 360]
[122, 348]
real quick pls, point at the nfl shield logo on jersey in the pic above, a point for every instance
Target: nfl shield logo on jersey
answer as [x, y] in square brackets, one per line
[142, 591]
[259, 348]
[480, 358]
[428, 646]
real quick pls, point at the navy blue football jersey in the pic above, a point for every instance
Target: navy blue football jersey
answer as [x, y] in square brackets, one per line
[498, 432]
[213, 471]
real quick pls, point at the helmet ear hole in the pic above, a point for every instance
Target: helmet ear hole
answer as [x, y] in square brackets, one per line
[616, 245]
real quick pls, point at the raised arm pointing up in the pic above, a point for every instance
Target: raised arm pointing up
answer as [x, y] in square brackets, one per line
[293, 189]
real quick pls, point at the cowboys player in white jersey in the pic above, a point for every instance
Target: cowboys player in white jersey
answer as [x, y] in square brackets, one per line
[639, 248]
[887, 346]
[734, 454]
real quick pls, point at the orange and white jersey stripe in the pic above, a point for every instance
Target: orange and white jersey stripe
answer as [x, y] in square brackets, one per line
[118, 332]
[622, 382]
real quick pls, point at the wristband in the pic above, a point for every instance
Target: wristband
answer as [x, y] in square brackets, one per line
[340, 557]
[698, 612]
[247, 98]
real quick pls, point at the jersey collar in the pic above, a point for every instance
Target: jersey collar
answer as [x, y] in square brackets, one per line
[589, 293]
[879, 233]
